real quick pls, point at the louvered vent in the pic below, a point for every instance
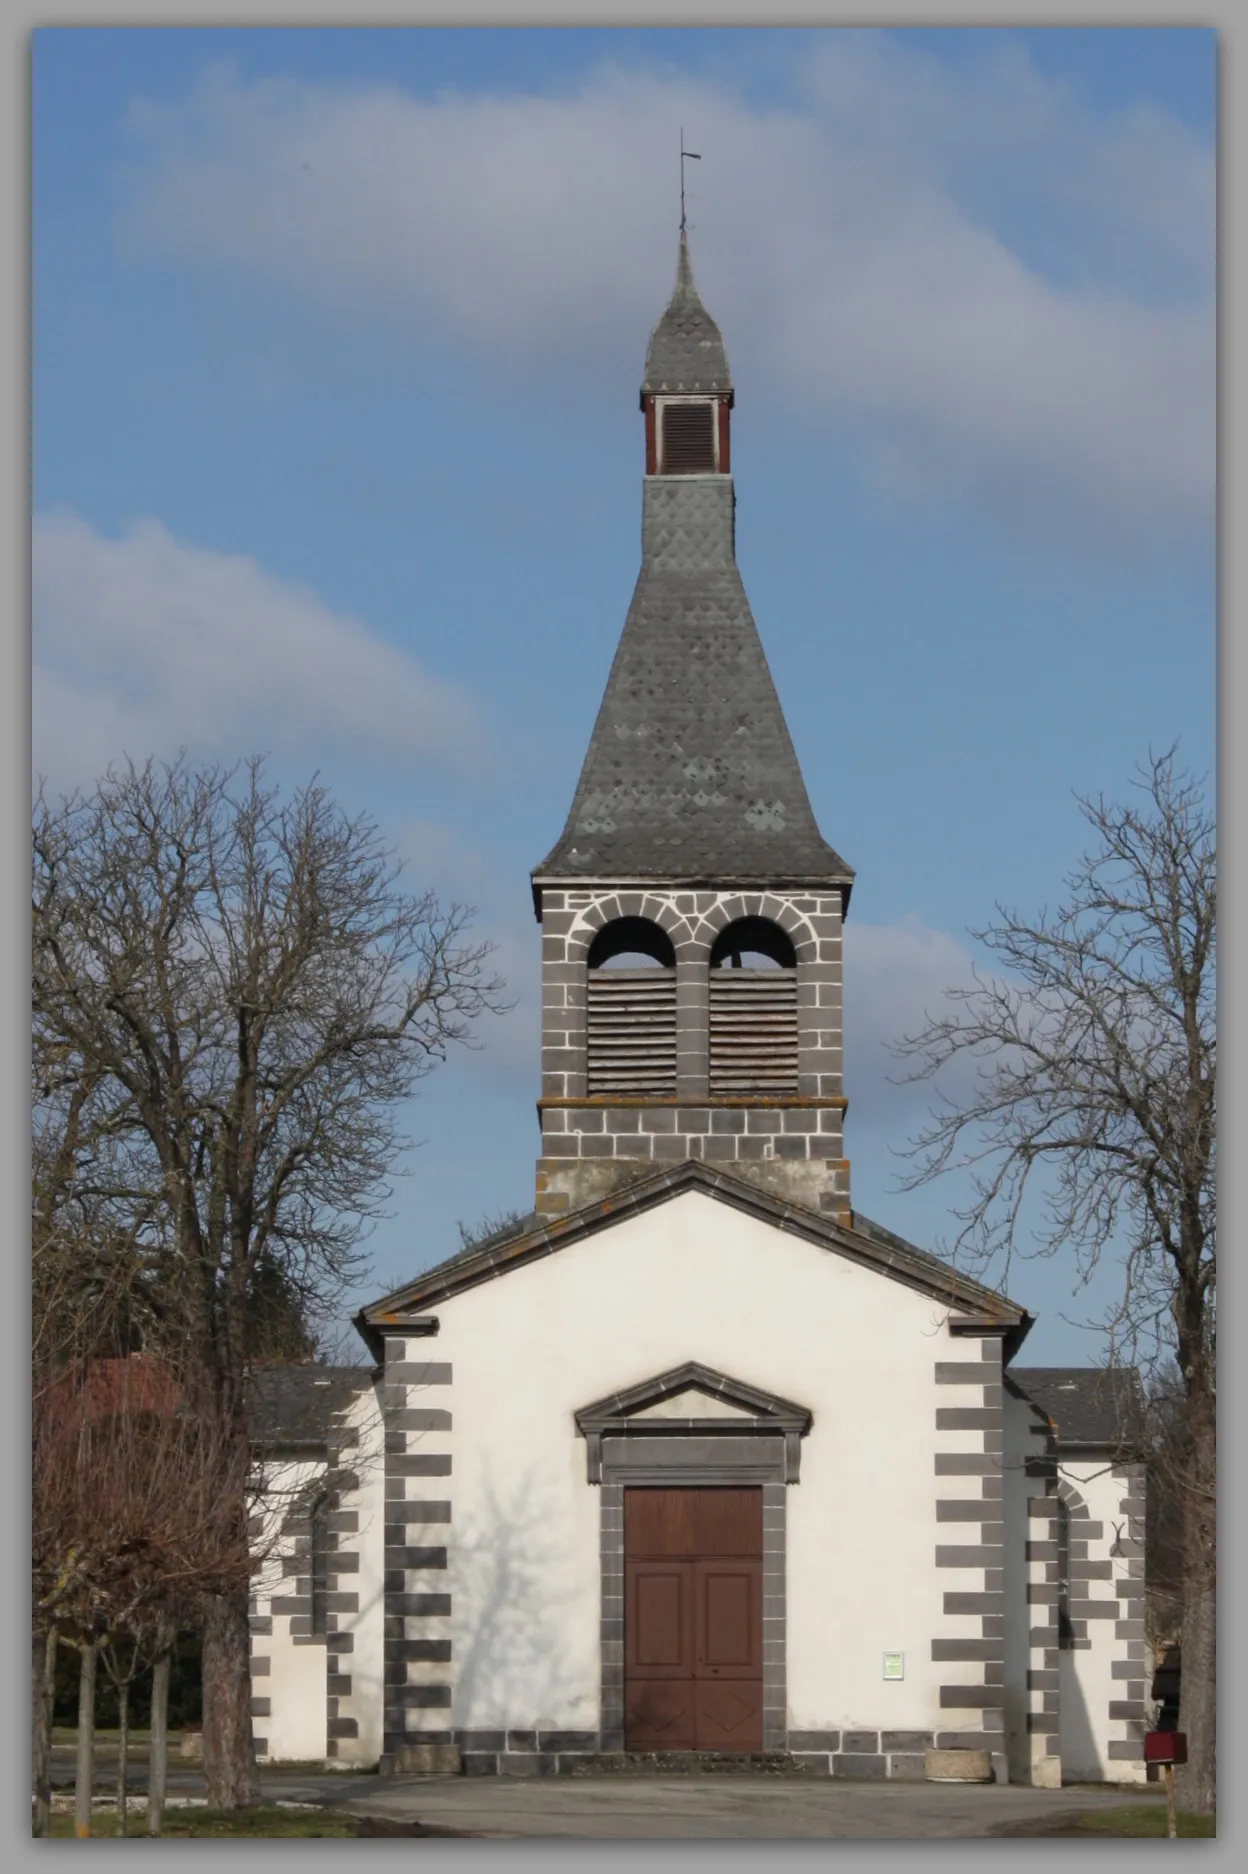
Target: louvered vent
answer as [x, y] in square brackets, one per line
[753, 1031]
[631, 1019]
[688, 439]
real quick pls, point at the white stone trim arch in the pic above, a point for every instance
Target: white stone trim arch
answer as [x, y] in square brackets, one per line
[730, 910]
[610, 910]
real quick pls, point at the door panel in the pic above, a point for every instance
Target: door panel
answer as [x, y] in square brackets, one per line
[693, 1629]
[658, 1619]
[693, 1522]
[729, 1626]
[659, 1714]
[728, 1714]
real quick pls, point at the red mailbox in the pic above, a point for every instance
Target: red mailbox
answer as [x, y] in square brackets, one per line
[1165, 1747]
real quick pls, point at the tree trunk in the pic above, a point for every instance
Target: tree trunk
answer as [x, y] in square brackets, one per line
[85, 1773]
[1196, 1783]
[1196, 1780]
[158, 1758]
[229, 1755]
[123, 1753]
[44, 1688]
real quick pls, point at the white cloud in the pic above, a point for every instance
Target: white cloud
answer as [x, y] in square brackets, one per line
[991, 289]
[895, 976]
[145, 644]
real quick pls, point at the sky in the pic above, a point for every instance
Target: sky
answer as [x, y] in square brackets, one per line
[337, 338]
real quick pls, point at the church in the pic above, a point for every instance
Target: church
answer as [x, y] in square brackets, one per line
[695, 1457]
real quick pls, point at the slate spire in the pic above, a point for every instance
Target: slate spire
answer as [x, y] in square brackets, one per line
[686, 352]
[690, 772]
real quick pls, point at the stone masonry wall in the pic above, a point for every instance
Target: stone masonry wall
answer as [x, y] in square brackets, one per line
[791, 1145]
[415, 1398]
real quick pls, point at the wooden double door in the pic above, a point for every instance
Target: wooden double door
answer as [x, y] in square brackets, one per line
[693, 1619]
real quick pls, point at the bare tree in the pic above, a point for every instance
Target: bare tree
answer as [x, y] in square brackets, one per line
[123, 1655]
[158, 1746]
[91, 1229]
[135, 1524]
[255, 997]
[1089, 1128]
[1176, 1497]
[45, 1648]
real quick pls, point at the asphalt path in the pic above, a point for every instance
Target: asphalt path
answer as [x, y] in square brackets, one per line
[659, 1808]
[720, 1808]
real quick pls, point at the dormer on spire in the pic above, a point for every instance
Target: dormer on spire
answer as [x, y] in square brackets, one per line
[686, 392]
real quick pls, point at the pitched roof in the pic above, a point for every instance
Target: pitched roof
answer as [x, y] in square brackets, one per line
[130, 1385]
[686, 352]
[1100, 1408]
[296, 1405]
[690, 772]
[862, 1242]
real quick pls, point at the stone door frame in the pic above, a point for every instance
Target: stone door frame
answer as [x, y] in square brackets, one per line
[760, 1443]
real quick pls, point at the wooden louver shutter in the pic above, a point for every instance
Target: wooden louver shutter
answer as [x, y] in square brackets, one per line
[688, 439]
[753, 1038]
[631, 1031]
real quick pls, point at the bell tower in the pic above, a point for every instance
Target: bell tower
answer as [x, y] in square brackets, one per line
[691, 911]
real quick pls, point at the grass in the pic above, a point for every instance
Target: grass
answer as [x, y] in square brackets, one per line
[1144, 1821]
[107, 1743]
[271, 1821]
[264, 1820]
[1137, 1821]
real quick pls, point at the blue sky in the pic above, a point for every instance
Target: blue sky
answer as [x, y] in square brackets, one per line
[337, 338]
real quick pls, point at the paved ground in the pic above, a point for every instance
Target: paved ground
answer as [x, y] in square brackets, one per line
[659, 1808]
[682, 1808]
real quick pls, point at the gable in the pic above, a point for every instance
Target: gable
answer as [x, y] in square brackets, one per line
[970, 1306]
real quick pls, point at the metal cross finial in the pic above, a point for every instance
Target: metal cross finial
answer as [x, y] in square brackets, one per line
[685, 155]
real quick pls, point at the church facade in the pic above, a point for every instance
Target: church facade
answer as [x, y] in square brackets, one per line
[695, 1456]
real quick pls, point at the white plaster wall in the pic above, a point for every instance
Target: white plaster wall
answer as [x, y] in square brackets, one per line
[296, 1726]
[295, 1683]
[696, 1279]
[367, 1626]
[1088, 1682]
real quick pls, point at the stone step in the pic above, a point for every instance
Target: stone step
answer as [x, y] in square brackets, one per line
[688, 1763]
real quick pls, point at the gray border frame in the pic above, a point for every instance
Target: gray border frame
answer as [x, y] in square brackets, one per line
[686, 1462]
[415, 1582]
[984, 1516]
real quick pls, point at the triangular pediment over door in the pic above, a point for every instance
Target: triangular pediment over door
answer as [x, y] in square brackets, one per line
[702, 1408]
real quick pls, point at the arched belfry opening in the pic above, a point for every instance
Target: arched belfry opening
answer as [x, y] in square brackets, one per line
[630, 1010]
[752, 1007]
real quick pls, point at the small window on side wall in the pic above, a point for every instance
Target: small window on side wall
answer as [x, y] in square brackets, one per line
[1065, 1631]
[319, 1531]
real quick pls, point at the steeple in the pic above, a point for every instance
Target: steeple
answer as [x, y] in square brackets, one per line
[691, 910]
[690, 772]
